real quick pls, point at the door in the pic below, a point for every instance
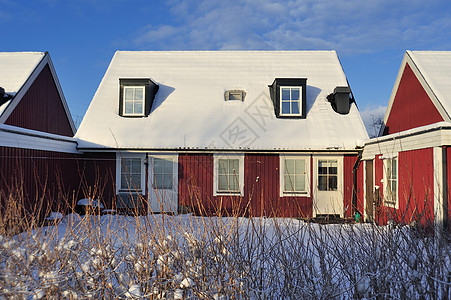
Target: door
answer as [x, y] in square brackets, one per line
[369, 188]
[328, 185]
[163, 182]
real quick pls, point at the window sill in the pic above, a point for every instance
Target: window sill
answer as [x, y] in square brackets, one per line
[295, 194]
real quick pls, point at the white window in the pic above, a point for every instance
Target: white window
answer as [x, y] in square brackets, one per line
[327, 174]
[294, 175]
[391, 182]
[228, 174]
[130, 174]
[133, 100]
[163, 173]
[290, 100]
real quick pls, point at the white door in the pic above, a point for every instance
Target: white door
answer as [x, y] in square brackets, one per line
[163, 181]
[328, 185]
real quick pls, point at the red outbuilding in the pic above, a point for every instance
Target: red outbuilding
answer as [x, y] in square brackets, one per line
[38, 167]
[407, 169]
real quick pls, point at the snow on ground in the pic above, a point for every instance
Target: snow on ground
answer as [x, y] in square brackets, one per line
[188, 257]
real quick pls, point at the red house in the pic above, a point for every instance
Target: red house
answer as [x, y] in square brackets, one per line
[37, 149]
[274, 133]
[407, 169]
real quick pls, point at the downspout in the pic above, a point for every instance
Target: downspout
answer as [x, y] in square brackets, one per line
[445, 187]
[357, 214]
[146, 192]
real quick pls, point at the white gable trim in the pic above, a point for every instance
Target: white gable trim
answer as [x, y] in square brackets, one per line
[408, 60]
[22, 91]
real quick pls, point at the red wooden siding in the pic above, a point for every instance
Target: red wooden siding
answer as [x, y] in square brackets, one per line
[415, 188]
[412, 107]
[42, 181]
[448, 158]
[261, 189]
[41, 108]
[97, 173]
[196, 182]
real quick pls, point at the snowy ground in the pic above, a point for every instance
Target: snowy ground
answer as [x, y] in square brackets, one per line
[186, 257]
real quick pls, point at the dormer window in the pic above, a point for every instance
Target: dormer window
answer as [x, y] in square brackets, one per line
[134, 100]
[136, 97]
[290, 100]
[289, 97]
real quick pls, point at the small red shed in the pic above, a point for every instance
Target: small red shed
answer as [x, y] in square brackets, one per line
[407, 169]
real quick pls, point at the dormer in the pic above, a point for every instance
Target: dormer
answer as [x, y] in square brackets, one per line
[289, 97]
[136, 96]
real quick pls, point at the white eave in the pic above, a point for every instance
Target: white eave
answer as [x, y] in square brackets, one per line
[434, 135]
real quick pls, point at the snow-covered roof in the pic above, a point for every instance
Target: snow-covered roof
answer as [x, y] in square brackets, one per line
[16, 67]
[189, 111]
[435, 67]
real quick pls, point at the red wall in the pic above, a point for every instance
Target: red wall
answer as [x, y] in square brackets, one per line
[261, 188]
[41, 108]
[42, 181]
[412, 107]
[415, 188]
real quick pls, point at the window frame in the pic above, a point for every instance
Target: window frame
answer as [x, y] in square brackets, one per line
[119, 159]
[299, 101]
[328, 175]
[124, 113]
[391, 200]
[240, 190]
[307, 173]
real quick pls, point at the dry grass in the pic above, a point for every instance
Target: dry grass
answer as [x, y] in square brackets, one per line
[188, 257]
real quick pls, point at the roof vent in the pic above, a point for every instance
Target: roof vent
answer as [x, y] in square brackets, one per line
[234, 95]
[341, 99]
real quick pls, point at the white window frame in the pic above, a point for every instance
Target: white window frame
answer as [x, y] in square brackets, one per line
[391, 200]
[124, 113]
[307, 173]
[216, 159]
[119, 158]
[299, 101]
[174, 159]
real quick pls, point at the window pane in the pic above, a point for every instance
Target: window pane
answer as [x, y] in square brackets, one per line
[286, 108]
[124, 182]
[223, 167]
[300, 166]
[300, 183]
[162, 181]
[289, 166]
[322, 183]
[332, 183]
[128, 107]
[394, 169]
[234, 166]
[168, 166]
[295, 94]
[333, 167]
[139, 94]
[233, 182]
[138, 108]
[289, 183]
[136, 167]
[222, 183]
[158, 165]
[286, 94]
[322, 167]
[128, 93]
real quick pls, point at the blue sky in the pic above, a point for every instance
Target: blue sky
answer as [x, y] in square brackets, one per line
[369, 36]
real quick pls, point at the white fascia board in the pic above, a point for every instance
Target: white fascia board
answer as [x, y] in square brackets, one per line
[18, 97]
[428, 137]
[408, 60]
[16, 137]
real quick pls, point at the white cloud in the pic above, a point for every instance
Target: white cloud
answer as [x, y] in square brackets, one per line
[349, 26]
